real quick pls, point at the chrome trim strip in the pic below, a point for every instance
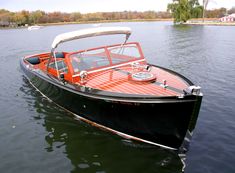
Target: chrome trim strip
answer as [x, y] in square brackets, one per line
[107, 68]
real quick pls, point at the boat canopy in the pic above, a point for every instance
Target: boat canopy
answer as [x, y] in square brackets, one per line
[91, 32]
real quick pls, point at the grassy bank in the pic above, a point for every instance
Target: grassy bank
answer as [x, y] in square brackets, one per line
[212, 23]
[209, 21]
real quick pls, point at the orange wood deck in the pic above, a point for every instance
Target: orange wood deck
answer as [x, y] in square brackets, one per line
[119, 81]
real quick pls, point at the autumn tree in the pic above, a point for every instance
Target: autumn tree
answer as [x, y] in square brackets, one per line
[150, 15]
[19, 18]
[25, 14]
[5, 17]
[75, 17]
[216, 13]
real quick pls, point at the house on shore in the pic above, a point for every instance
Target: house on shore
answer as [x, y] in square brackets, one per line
[4, 24]
[7, 24]
[229, 18]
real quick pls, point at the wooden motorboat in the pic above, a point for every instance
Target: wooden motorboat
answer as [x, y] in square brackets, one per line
[114, 88]
[34, 27]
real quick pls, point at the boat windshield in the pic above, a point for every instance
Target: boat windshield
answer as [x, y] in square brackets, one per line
[124, 53]
[104, 57]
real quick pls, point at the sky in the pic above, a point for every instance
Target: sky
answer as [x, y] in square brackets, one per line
[86, 6]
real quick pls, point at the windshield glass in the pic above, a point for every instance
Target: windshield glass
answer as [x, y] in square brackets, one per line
[88, 60]
[124, 53]
[98, 58]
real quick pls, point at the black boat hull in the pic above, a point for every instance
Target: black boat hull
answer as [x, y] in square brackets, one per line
[160, 121]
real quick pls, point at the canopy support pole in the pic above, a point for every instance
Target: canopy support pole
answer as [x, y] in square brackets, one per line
[49, 61]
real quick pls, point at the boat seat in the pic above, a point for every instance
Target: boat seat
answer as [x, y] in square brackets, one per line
[33, 60]
[59, 55]
[62, 67]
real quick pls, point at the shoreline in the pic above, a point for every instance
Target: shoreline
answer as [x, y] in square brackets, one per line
[211, 23]
[207, 22]
[107, 21]
[93, 22]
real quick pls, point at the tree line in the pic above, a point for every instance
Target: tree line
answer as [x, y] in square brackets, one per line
[183, 10]
[192, 7]
[39, 17]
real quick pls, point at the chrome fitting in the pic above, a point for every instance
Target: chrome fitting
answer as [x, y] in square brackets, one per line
[195, 90]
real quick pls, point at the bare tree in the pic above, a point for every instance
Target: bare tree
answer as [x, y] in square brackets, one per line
[205, 3]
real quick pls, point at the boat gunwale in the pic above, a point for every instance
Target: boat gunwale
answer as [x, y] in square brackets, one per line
[113, 96]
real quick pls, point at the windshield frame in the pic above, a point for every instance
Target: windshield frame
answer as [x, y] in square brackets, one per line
[108, 56]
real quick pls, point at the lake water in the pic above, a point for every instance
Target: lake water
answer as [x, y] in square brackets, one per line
[38, 136]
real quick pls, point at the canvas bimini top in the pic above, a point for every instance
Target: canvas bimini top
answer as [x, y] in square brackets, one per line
[91, 32]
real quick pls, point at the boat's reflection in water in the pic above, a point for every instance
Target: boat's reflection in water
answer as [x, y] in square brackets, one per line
[93, 150]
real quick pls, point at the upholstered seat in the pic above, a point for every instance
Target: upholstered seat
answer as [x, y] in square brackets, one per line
[33, 60]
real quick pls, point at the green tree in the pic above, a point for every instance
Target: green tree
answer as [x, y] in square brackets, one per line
[180, 10]
[35, 16]
[196, 10]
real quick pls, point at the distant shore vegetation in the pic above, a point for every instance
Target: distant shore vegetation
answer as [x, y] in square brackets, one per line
[24, 17]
